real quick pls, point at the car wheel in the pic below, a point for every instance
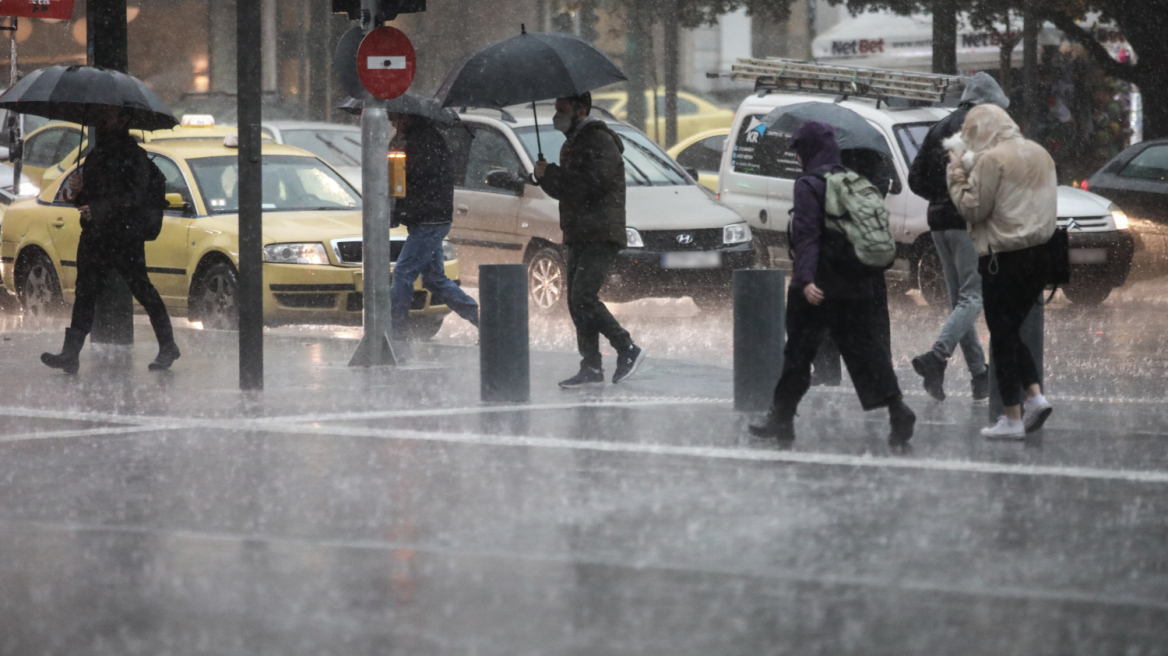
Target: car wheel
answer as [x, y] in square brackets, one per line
[1087, 295]
[426, 326]
[547, 280]
[39, 288]
[215, 297]
[931, 279]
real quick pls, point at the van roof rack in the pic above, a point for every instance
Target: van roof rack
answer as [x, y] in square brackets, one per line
[796, 75]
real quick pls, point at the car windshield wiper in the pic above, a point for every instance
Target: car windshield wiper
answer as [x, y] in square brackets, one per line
[338, 150]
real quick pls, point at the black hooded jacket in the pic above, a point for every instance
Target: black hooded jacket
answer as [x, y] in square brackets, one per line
[429, 177]
[116, 187]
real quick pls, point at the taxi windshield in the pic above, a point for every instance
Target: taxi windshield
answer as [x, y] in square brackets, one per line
[337, 147]
[291, 183]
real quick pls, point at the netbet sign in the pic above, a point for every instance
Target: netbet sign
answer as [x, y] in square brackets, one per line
[857, 47]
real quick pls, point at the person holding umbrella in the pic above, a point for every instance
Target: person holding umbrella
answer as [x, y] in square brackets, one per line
[589, 182]
[120, 186]
[427, 211]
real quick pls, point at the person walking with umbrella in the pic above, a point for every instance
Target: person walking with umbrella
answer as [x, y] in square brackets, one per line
[828, 296]
[589, 182]
[427, 211]
[114, 189]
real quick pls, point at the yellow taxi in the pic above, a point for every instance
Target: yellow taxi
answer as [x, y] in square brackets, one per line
[702, 154]
[311, 239]
[694, 113]
[54, 145]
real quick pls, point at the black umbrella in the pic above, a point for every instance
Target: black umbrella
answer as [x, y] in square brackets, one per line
[525, 69]
[852, 131]
[408, 103]
[78, 93]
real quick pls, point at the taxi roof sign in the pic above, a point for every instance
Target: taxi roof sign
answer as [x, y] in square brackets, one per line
[197, 121]
[51, 9]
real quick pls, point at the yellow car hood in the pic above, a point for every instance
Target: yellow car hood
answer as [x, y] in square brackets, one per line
[310, 226]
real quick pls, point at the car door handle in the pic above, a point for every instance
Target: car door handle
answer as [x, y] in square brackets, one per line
[59, 223]
[462, 209]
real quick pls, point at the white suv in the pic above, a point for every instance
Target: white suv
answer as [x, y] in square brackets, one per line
[682, 241]
[761, 189]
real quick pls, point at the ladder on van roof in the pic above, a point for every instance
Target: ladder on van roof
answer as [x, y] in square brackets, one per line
[796, 75]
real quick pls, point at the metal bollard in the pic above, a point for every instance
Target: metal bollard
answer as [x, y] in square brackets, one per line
[759, 330]
[504, 351]
[1032, 329]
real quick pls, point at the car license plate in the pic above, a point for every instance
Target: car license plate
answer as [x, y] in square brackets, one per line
[698, 260]
[1088, 256]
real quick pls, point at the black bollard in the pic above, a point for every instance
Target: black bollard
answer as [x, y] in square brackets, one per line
[759, 331]
[1032, 329]
[504, 355]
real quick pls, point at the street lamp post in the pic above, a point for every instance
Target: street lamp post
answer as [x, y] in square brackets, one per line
[249, 72]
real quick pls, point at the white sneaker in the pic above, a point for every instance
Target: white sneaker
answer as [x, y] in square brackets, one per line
[1005, 429]
[1035, 412]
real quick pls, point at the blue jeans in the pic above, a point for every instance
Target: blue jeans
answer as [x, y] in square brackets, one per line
[959, 263]
[421, 255]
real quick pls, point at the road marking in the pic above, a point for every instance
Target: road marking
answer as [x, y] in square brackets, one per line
[486, 409]
[85, 432]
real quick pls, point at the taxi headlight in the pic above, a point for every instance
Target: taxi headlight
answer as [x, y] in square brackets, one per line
[295, 254]
[448, 251]
[634, 238]
[1117, 215]
[736, 233]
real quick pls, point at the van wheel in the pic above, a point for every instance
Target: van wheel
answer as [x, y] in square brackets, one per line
[547, 280]
[39, 288]
[931, 279]
[215, 297]
[1087, 295]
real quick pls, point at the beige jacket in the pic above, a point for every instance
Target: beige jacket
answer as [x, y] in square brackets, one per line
[1009, 195]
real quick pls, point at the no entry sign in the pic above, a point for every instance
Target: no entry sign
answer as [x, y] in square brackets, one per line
[386, 62]
[61, 9]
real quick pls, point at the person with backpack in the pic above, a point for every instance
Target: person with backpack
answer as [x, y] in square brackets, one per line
[954, 248]
[121, 199]
[842, 245]
[1007, 190]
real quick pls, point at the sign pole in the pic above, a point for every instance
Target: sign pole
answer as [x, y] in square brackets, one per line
[251, 259]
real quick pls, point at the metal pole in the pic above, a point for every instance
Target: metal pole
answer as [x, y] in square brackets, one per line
[504, 352]
[375, 348]
[1030, 25]
[108, 37]
[249, 80]
[759, 315]
[1031, 331]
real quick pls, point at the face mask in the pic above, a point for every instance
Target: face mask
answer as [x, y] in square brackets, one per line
[562, 122]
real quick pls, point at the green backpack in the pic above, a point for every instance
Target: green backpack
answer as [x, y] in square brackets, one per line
[855, 209]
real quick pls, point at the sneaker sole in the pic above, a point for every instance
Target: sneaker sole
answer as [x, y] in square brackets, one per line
[1043, 415]
[1005, 437]
[632, 369]
[579, 385]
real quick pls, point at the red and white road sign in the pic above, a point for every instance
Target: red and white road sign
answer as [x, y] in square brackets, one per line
[56, 9]
[386, 62]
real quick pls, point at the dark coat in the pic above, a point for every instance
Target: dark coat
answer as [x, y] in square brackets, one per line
[815, 144]
[115, 186]
[589, 182]
[926, 177]
[429, 177]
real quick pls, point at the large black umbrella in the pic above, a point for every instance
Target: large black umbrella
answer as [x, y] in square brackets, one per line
[852, 131]
[79, 93]
[526, 69]
[408, 103]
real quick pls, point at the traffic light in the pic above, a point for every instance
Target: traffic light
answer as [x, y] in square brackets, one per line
[388, 9]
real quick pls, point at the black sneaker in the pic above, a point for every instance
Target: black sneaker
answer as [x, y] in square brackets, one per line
[627, 363]
[932, 369]
[586, 378]
[902, 420]
[775, 428]
[981, 386]
[166, 357]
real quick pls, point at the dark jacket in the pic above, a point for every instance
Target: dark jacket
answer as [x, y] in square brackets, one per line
[589, 182]
[429, 177]
[926, 176]
[815, 144]
[115, 186]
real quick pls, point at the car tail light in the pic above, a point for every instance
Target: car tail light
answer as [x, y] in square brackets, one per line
[1084, 186]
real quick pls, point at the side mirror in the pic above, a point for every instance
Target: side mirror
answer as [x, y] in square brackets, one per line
[692, 172]
[506, 180]
[175, 202]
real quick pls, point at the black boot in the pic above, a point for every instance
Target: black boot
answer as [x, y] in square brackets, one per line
[981, 386]
[932, 369]
[167, 354]
[902, 419]
[67, 361]
[778, 425]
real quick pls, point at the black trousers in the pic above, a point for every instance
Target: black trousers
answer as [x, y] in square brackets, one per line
[588, 267]
[856, 327]
[1011, 284]
[95, 260]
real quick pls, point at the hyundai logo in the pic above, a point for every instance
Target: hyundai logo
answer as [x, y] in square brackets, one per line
[685, 238]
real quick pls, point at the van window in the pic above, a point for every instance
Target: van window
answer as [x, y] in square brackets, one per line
[911, 136]
[1151, 164]
[758, 151]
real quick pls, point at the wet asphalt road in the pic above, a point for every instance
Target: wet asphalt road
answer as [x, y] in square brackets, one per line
[388, 512]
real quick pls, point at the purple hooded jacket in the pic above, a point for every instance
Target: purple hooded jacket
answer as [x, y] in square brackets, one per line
[816, 146]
